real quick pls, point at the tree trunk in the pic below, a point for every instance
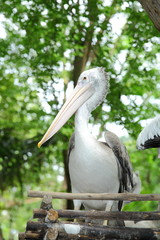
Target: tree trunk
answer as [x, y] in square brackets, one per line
[152, 7]
[79, 66]
[69, 203]
[1, 234]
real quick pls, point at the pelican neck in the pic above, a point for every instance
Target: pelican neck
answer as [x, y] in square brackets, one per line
[81, 119]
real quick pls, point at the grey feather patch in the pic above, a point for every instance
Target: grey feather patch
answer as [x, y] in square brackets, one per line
[71, 146]
[126, 176]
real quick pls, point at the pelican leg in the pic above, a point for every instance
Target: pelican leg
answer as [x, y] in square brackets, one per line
[90, 220]
[77, 206]
[108, 209]
[116, 222]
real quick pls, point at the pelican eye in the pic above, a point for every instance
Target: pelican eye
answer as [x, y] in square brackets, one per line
[83, 80]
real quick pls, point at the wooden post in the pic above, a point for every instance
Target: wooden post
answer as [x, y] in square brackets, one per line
[46, 203]
[51, 234]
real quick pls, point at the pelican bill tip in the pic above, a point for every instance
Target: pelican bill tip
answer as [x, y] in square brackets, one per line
[39, 144]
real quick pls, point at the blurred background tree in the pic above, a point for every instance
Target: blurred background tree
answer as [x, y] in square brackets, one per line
[44, 46]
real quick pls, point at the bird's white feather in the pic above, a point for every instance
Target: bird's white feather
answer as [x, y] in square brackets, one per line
[149, 132]
[92, 165]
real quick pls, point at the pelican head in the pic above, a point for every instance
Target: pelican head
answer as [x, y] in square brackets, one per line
[91, 89]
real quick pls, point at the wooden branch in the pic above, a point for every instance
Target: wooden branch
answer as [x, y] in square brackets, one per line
[100, 232]
[153, 10]
[34, 226]
[51, 234]
[97, 196]
[104, 232]
[134, 216]
[29, 235]
[64, 236]
[51, 216]
[21, 236]
[61, 236]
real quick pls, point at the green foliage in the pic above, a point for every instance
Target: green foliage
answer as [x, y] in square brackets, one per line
[45, 42]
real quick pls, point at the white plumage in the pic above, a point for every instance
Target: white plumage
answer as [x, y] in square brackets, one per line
[93, 168]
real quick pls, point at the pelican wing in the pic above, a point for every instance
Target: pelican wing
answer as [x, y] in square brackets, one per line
[71, 146]
[149, 137]
[126, 172]
[152, 143]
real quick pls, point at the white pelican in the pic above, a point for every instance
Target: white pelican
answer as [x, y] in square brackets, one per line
[150, 136]
[94, 166]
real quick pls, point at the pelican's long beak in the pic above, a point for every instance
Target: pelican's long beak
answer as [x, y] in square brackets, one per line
[79, 95]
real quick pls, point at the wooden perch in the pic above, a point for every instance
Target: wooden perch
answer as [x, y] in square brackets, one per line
[134, 216]
[97, 196]
[48, 226]
[99, 232]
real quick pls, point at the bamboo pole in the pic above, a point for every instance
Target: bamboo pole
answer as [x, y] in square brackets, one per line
[96, 196]
[134, 216]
